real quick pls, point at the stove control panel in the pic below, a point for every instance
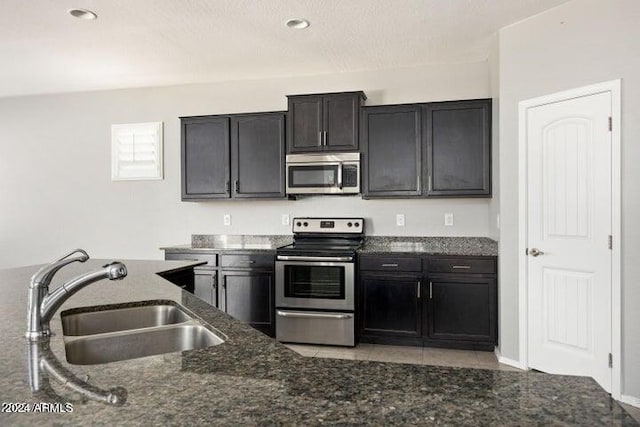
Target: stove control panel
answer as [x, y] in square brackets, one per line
[328, 225]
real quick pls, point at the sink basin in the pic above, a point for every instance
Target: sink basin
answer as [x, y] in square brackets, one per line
[120, 333]
[112, 347]
[121, 319]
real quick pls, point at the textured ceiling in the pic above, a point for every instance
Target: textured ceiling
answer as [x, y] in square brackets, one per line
[163, 42]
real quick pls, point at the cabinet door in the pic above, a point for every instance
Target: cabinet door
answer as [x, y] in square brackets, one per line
[205, 286]
[390, 305]
[462, 308]
[459, 148]
[257, 153]
[304, 133]
[392, 147]
[248, 296]
[205, 158]
[341, 114]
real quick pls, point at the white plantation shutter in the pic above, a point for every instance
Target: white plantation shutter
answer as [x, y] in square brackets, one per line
[136, 151]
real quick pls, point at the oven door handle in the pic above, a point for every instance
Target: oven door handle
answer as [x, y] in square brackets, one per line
[313, 315]
[313, 258]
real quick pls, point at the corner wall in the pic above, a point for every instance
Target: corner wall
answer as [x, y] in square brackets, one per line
[55, 173]
[576, 44]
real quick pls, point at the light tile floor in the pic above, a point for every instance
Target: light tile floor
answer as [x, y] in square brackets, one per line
[402, 354]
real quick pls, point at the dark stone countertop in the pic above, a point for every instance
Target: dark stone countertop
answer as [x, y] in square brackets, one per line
[469, 246]
[252, 380]
[205, 243]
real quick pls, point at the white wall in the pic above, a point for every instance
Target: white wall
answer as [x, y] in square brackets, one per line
[55, 182]
[494, 87]
[576, 44]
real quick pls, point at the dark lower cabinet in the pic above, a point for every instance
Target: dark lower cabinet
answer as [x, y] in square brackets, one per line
[248, 295]
[411, 306]
[182, 278]
[390, 304]
[206, 285]
[462, 308]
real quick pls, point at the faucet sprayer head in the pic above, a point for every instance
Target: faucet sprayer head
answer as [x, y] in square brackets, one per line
[115, 270]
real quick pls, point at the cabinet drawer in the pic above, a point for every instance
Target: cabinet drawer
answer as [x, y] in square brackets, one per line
[384, 263]
[211, 259]
[247, 261]
[461, 265]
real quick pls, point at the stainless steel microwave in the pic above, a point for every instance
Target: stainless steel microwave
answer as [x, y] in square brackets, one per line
[335, 173]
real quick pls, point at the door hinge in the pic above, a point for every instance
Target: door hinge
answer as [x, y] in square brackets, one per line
[610, 360]
[610, 241]
[610, 124]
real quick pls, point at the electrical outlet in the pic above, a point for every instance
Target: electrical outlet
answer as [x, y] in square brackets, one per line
[226, 219]
[448, 219]
[400, 220]
[498, 221]
[285, 219]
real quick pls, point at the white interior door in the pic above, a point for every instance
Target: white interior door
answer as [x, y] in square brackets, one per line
[569, 223]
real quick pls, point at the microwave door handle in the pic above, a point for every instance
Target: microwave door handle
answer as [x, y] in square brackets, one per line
[340, 166]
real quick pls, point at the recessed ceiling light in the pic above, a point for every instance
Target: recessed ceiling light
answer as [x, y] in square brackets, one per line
[298, 24]
[83, 14]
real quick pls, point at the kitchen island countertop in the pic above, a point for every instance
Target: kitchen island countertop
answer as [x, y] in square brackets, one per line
[251, 379]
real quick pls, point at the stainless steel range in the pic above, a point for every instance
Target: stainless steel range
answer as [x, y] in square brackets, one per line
[315, 282]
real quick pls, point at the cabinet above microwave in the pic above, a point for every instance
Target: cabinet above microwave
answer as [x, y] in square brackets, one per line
[323, 122]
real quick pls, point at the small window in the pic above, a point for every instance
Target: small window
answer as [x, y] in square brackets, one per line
[136, 151]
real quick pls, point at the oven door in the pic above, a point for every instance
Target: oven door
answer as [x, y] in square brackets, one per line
[314, 178]
[315, 282]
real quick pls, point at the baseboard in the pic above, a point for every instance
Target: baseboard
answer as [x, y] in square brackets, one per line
[507, 361]
[630, 400]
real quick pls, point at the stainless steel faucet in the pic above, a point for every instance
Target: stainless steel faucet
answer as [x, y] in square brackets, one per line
[42, 304]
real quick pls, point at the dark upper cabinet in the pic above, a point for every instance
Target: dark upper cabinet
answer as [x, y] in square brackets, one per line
[239, 156]
[462, 308]
[390, 304]
[257, 155]
[205, 158]
[392, 151]
[458, 155]
[248, 295]
[325, 122]
[427, 150]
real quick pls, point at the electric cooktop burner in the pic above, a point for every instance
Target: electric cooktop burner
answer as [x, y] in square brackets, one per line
[325, 236]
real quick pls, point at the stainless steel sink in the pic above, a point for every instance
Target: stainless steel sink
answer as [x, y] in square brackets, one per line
[121, 319]
[105, 348]
[122, 333]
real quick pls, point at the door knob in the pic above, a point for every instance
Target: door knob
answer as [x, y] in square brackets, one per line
[534, 252]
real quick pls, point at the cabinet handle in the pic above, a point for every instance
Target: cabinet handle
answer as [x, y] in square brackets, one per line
[320, 140]
[461, 267]
[419, 286]
[237, 186]
[324, 138]
[429, 182]
[228, 187]
[430, 290]
[389, 265]
[246, 261]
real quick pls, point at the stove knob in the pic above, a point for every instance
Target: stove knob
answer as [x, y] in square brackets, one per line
[357, 224]
[349, 224]
[299, 224]
[306, 224]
